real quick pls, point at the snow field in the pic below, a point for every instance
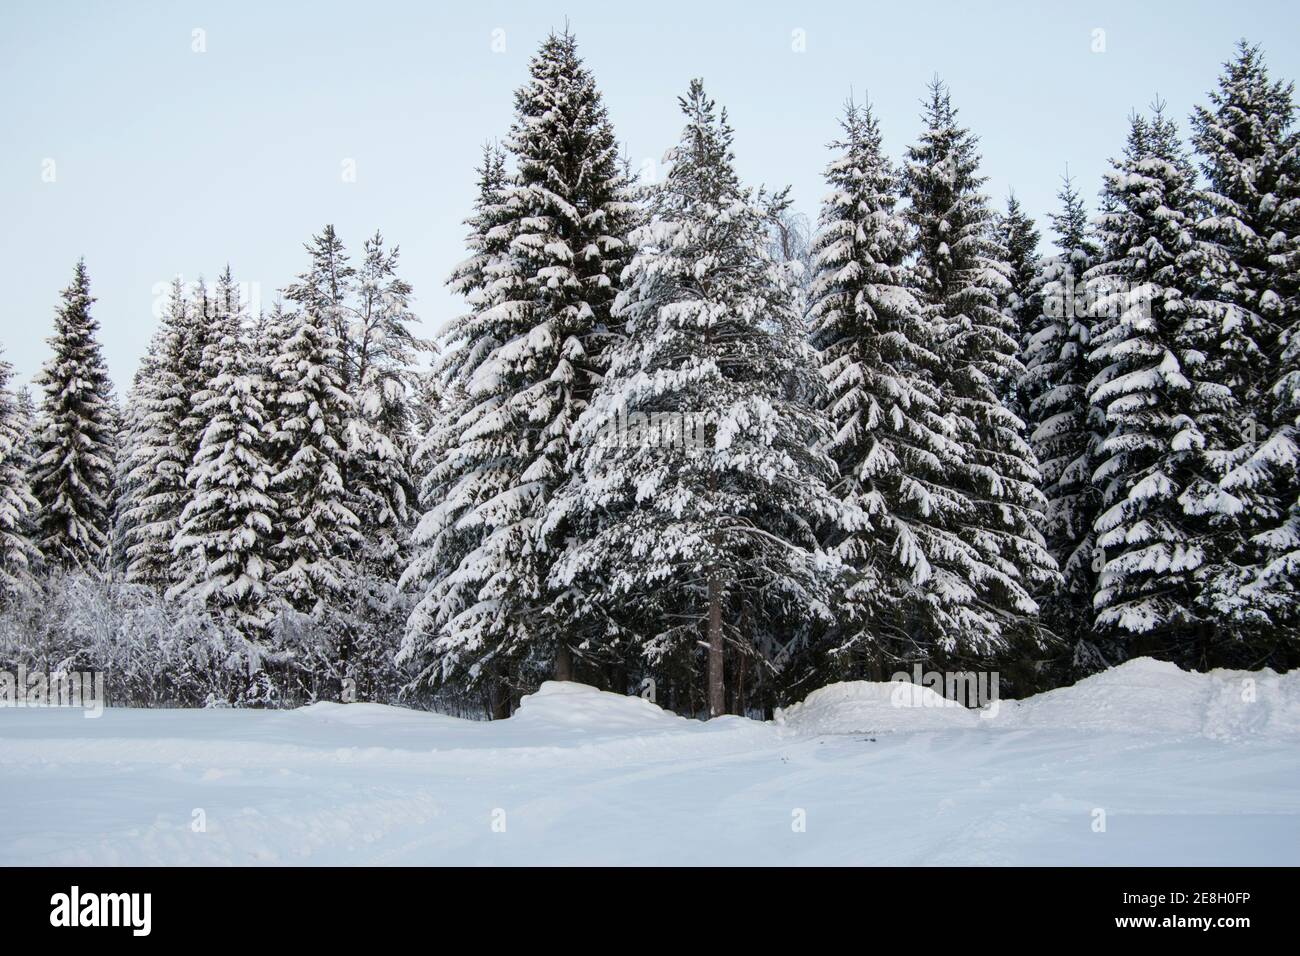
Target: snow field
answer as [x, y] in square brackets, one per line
[1183, 769]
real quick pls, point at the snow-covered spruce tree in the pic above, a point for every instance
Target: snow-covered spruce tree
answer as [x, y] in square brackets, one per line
[19, 559]
[368, 310]
[891, 438]
[527, 357]
[1065, 429]
[698, 484]
[450, 482]
[1166, 524]
[380, 431]
[153, 490]
[225, 530]
[317, 530]
[379, 477]
[72, 475]
[990, 499]
[1018, 235]
[1251, 159]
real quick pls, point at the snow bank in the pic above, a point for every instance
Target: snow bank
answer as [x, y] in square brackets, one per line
[853, 707]
[567, 721]
[1142, 696]
[1150, 696]
[566, 706]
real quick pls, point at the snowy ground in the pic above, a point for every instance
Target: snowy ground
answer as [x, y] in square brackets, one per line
[1189, 769]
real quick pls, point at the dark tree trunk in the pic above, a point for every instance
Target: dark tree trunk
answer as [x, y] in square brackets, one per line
[741, 667]
[717, 688]
[498, 700]
[563, 663]
[617, 677]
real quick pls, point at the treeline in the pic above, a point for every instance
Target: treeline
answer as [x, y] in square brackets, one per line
[681, 443]
[234, 533]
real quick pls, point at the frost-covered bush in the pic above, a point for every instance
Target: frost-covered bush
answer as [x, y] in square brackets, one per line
[156, 652]
[348, 652]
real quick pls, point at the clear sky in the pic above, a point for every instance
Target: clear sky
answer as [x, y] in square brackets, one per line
[165, 160]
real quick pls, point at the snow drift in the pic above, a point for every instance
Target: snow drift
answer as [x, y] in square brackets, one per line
[1142, 696]
[853, 707]
[567, 707]
[1150, 696]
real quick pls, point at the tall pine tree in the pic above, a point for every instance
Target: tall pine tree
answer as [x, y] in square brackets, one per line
[450, 481]
[1251, 159]
[1066, 429]
[534, 348]
[993, 502]
[226, 529]
[891, 436]
[154, 492]
[317, 529]
[699, 484]
[72, 477]
[380, 430]
[1166, 523]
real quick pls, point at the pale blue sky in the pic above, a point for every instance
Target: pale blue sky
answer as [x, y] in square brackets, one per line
[169, 161]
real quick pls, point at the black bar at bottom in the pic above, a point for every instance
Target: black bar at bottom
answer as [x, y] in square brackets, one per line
[333, 906]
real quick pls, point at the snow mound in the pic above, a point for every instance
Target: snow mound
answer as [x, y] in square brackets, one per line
[580, 708]
[852, 707]
[1150, 696]
[1142, 696]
